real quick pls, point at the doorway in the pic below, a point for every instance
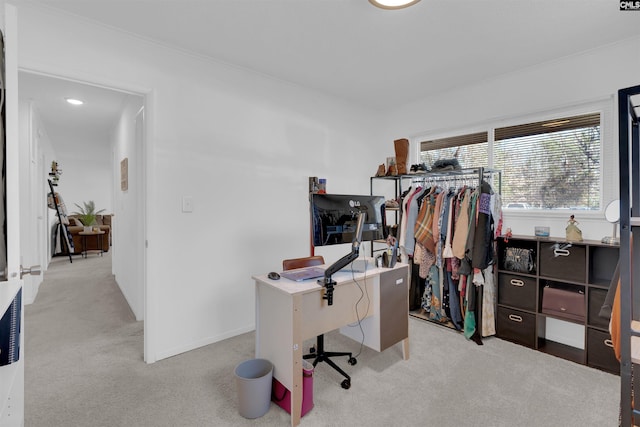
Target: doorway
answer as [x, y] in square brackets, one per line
[89, 143]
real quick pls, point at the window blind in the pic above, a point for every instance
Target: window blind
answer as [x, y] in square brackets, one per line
[553, 164]
[471, 150]
[550, 164]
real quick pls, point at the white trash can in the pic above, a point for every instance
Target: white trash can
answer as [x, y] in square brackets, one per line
[253, 379]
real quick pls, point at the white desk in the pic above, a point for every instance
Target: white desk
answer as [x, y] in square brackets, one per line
[288, 312]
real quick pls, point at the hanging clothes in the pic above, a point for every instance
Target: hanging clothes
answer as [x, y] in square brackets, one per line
[432, 300]
[465, 264]
[449, 236]
[482, 254]
[447, 251]
[402, 238]
[442, 226]
[416, 288]
[423, 228]
[455, 311]
[488, 303]
[462, 226]
[411, 216]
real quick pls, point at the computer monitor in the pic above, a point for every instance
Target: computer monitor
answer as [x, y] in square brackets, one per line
[334, 218]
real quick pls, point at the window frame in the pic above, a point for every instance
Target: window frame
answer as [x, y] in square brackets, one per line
[609, 168]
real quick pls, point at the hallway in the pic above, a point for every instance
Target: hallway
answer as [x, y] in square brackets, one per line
[78, 327]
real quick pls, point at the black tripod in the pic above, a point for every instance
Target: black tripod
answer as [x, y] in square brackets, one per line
[319, 355]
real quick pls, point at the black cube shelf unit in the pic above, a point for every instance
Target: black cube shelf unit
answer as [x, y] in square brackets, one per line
[588, 269]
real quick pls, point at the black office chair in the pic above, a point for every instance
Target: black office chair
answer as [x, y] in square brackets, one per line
[318, 353]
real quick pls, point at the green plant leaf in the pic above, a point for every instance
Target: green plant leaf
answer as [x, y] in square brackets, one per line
[87, 213]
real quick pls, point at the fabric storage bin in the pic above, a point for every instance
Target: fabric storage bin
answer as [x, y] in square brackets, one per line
[517, 291]
[563, 262]
[281, 396]
[596, 299]
[563, 303]
[600, 352]
[519, 260]
[516, 326]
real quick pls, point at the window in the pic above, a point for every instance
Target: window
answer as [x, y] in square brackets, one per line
[551, 164]
[471, 150]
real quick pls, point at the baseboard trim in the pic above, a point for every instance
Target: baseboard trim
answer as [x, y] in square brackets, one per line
[164, 354]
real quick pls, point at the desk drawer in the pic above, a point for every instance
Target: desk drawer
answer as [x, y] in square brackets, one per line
[516, 326]
[600, 353]
[517, 291]
[571, 266]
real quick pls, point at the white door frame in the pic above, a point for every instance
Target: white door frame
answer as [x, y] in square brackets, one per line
[12, 375]
[143, 163]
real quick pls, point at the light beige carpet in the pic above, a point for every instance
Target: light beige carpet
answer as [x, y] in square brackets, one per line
[84, 368]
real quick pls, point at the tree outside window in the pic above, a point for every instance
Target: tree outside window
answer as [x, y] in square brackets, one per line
[553, 164]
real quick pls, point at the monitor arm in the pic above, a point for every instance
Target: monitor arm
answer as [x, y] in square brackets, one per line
[327, 282]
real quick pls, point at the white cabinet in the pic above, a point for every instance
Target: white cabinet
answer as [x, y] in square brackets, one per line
[390, 324]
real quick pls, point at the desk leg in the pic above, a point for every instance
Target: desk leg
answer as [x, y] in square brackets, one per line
[405, 342]
[296, 348]
[279, 339]
[405, 349]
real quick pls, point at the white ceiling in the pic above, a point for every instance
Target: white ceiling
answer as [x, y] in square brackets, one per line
[69, 127]
[372, 57]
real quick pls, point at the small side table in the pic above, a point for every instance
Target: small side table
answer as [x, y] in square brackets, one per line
[86, 234]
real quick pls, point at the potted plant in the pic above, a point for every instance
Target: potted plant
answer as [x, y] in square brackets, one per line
[87, 214]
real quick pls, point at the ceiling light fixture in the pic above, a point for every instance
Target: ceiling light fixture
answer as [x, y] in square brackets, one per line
[74, 101]
[393, 4]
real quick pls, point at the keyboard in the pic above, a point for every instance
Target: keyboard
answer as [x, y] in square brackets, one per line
[305, 273]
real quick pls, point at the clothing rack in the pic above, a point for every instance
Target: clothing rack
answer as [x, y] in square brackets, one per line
[62, 227]
[447, 180]
[438, 176]
[455, 176]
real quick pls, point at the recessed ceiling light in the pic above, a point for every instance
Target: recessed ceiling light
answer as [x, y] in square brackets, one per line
[393, 4]
[74, 101]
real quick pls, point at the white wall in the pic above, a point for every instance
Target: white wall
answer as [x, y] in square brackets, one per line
[37, 220]
[127, 229]
[28, 220]
[242, 145]
[569, 82]
[87, 175]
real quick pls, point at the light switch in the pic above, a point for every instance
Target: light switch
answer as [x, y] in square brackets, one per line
[187, 204]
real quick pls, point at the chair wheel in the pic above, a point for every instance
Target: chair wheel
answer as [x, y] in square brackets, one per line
[312, 350]
[352, 361]
[346, 384]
